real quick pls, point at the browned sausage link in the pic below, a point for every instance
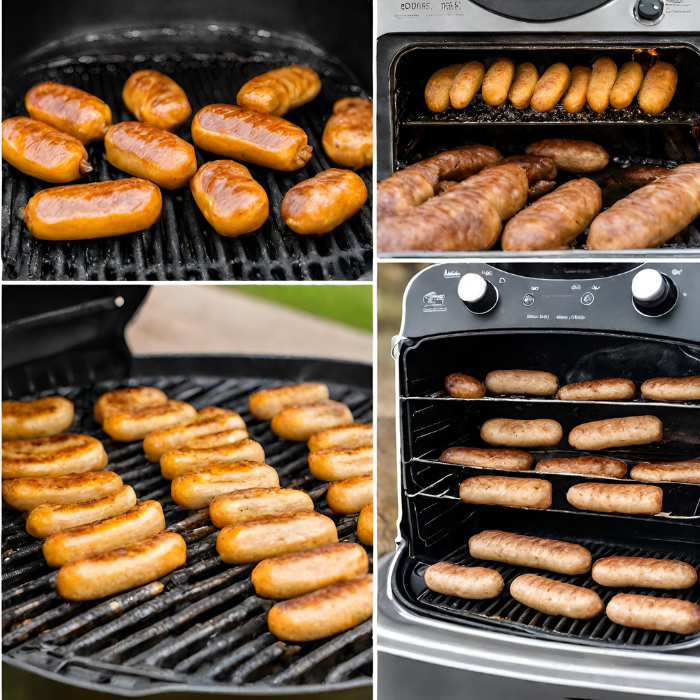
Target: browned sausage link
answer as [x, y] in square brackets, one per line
[462, 386]
[627, 84]
[658, 88]
[668, 574]
[555, 220]
[127, 399]
[576, 94]
[616, 498]
[23, 420]
[466, 84]
[348, 436]
[626, 181]
[687, 471]
[341, 463]
[521, 381]
[222, 439]
[556, 597]
[150, 153]
[672, 389]
[262, 139]
[445, 185]
[497, 82]
[539, 189]
[365, 526]
[541, 432]
[652, 215]
[648, 613]
[574, 156]
[536, 167]
[350, 495]
[437, 90]
[267, 403]
[598, 390]
[186, 459]
[603, 77]
[69, 109]
[323, 202]
[472, 582]
[40, 151]
[279, 90]
[551, 87]
[598, 466]
[512, 460]
[156, 99]
[524, 83]
[348, 135]
[301, 422]
[257, 504]
[506, 491]
[616, 432]
[137, 424]
[95, 210]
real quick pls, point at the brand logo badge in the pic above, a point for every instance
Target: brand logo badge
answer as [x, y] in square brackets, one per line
[451, 273]
[434, 299]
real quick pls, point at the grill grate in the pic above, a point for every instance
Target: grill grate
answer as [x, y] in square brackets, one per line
[182, 245]
[207, 627]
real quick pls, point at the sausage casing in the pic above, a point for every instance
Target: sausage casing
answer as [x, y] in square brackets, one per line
[576, 94]
[658, 88]
[687, 471]
[472, 582]
[365, 526]
[522, 381]
[603, 76]
[466, 84]
[648, 613]
[257, 504]
[524, 83]
[229, 198]
[262, 139]
[506, 491]
[348, 137]
[598, 390]
[672, 389]
[550, 88]
[126, 426]
[222, 439]
[292, 575]
[128, 399]
[348, 436]
[350, 495]
[152, 154]
[555, 597]
[597, 466]
[323, 202]
[267, 403]
[340, 463]
[497, 82]
[616, 498]
[279, 90]
[541, 432]
[156, 99]
[128, 567]
[24, 420]
[181, 461]
[627, 84]
[574, 156]
[69, 109]
[617, 432]
[512, 460]
[299, 423]
[640, 572]
[437, 90]
[462, 386]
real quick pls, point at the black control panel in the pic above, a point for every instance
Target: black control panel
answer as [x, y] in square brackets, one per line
[542, 10]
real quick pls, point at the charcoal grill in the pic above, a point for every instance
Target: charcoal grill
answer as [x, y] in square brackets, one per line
[580, 322]
[416, 39]
[206, 632]
[210, 60]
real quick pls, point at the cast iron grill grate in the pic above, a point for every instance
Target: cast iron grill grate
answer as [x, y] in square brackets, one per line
[182, 245]
[207, 627]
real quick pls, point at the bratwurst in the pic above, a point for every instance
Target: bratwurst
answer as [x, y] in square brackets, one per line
[672, 389]
[640, 572]
[507, 491]
[541, 432]
[471, 582]
[598, 390]
[617, 432]
[25, 420]
[555, 597]
[512, 460]
[649, 613]
[616, 498]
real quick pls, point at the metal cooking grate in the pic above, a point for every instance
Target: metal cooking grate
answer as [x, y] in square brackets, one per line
[207, 627]
[182, 245]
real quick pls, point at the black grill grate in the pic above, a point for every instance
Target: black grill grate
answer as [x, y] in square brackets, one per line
[182, 245]
[207, 627]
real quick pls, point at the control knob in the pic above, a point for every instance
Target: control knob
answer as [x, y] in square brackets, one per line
[653, 294]
[649, 11]
[478, 294]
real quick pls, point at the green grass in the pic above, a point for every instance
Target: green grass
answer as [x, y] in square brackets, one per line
[348, 304]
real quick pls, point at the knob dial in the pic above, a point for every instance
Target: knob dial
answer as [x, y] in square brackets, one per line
[650, 11]
[478, 294]
[653, 294]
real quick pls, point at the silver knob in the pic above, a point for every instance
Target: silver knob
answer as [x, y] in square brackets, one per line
[478, 295]
[649, 286]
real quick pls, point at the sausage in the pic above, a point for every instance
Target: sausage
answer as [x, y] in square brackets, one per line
[24, 420]
[40, 151]
[658, 88]
[256, 540]
[209, 420]
[598, 390]
[603, 76]
[128, 399]
[93, 210]
[52, 456]
[267, 403]
[627, 84]
[323, 202]
[225, 437]
[668, 574]
[521, 381]
[26, 493]
[330, 610]
[348, 436]
[539, 189]
[462, 386]
[616, 498]
[279, 90]
[542, 432]
[556, 598]
[512, 460]
[687, 472]
[340, 463]
[472, 582]
[299, 423]
[507, 491]
[466, 84]
[262, 139]
[437, 90]
[652, 215]
[131, 566]
[229, 198]
[550, 88]
[649, 613]
[143, 520]
[575, 98]
[156, 99]
[150, 153]
[597, 466]
[556, 219]
[126, 426]
[497, 81]
[401, 191]
[199, 488]
[69, 109]
[365, 526]
[672, 389]
[257, 504]
[296, 574]
[534, 552]
[185, 459]
[525, 80]
[574, 156]
[617, 432]
[627, 180]
[348, 137]
[536, 167]
[48, 518]
[350, 495]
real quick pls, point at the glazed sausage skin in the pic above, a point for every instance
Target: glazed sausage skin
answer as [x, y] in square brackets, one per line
[617, 432]
[126, 426]
[541, 432]
[522, 381]
[41, 151]
[348, 137]
[229, 198]
[365, 526]
[466, 84]
[551, 87]
[598, 390]
[262, 139]
[299, 423]
[574, 156]
[627, 84]
[267, 403]
[627, 180]
[648, 613]
[687, 471]
[524, 83]
[348, 436]
[672, 389]
[323, 202]
[156, 99]
[497, 82]
[340, 463]
[152, 154]
[437, 90]
[462, 386]
[186, 459]
[555, 597]
[597, 466]
[69, 109]
[222, 439]
[127, 399]
[279, 90]
[667, 574]
[506, 491]
[350, 495]
[658, 88]
[94, 210]
[471, 582]
[603, 76]
[257, 504]
[616, 498]
[128, 567]
[576, 94]
[512, 460]
[24, 420]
